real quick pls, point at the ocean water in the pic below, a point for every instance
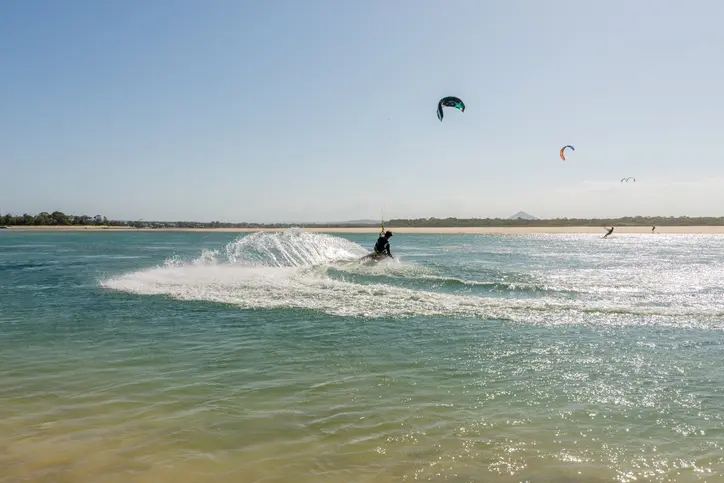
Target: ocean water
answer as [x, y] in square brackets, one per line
[278, 357]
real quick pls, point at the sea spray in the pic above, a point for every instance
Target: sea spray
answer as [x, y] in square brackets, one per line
[291, 248]
[319, 272]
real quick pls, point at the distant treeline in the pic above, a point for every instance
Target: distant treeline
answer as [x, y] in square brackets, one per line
[625, 221]
[54, 218]
[58, 218]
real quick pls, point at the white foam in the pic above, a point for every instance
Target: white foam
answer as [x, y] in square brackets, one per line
[292, 270]
[291, 248]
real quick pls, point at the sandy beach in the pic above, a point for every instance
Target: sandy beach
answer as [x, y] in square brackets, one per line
[506, 230]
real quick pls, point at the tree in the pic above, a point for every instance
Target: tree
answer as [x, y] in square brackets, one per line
[43, 218]
[60, 218]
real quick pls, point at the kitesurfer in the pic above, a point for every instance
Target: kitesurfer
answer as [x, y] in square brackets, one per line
[609, 232]
[382, 246]
[653, 229]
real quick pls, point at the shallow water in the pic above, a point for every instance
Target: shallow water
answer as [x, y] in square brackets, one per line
[277, 357]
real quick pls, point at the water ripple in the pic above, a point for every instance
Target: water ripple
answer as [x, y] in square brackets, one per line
[502, 359]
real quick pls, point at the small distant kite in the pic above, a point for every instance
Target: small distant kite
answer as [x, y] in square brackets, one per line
[450, 101]
[564, 147]
[628, 179]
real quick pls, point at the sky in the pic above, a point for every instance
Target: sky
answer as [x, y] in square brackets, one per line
[281, 110]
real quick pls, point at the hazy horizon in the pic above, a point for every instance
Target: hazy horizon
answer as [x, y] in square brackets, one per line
[365, 221]
[257, 112]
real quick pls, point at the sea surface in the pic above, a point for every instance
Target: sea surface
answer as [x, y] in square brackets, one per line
[278, 357]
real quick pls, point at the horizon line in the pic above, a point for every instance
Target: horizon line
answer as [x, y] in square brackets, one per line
[362, 222]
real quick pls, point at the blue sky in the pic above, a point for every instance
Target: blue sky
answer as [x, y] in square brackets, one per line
[325, 110]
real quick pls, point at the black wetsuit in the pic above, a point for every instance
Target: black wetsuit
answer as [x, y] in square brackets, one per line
[609, 232]
[382, 246]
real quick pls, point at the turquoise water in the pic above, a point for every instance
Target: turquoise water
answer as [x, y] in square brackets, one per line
[276, 357]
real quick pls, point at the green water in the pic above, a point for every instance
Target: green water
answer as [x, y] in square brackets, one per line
[195, 357]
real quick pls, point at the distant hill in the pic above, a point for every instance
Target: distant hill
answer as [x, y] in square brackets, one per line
[522, 215]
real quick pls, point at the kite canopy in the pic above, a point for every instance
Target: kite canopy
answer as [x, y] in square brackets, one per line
[450, 101]
[564, 147]
[628, 179]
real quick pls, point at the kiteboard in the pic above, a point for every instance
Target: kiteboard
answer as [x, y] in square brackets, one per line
[374, 256]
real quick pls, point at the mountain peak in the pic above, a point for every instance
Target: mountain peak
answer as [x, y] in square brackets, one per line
[522, 215]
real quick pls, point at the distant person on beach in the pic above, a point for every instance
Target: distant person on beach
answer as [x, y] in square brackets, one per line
[608, 232]
[653, 228]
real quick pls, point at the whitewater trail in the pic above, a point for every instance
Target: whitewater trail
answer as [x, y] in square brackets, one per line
[299, 270]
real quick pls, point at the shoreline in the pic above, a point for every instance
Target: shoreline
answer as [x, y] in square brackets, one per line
[502, 230]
